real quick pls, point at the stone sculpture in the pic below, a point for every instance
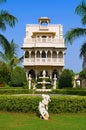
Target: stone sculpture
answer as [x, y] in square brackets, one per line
[43, 107]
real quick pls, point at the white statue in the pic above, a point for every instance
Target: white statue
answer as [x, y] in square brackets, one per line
[43, 107]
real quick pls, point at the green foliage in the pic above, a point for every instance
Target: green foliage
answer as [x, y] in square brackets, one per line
[82, 74]
[70, 91]
[4, 73]
[15, 91]
[19, 103]
[67, 104]
[18, 77]
[66, 78]
[22, 90]
[58, 104]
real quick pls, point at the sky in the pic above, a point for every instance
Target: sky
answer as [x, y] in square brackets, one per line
[59, 11]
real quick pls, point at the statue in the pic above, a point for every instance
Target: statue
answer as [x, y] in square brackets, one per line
[43, 107]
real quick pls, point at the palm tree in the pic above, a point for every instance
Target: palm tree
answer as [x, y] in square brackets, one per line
[8, 54]
[83, 54]
[74, 33]
[6, 19]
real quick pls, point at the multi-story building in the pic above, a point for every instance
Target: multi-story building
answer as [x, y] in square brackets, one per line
[43, 48]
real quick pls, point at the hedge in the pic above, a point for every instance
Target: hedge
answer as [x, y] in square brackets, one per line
[81, 92]
[15, 91]
[58, 104]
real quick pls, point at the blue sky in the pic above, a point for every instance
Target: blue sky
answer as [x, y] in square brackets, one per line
[59, 11]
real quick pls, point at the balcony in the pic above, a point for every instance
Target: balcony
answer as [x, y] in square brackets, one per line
[43, 42]
[43, 62]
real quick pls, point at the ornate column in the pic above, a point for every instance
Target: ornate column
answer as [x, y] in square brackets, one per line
[29, 56]
[46, 56]
[51, 55]
[35, 56]
[54, 86]
[29, 81]
[27, 74]
[40, 56]
[57, 60]
[50, 74]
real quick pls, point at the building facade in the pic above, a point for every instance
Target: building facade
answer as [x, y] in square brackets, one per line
[44, 48]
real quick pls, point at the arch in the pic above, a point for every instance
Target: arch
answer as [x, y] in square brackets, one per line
[32, 54]
[55, 72]
[43, 54]
[32, 73]
[60, 54]
[44, 23]
[44, 36]
[48, 54]
[54, 54]
[38, 54]
[26, 54]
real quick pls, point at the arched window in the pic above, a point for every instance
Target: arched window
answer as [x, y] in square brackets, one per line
[38, 54]
[32, 73]
[43, 54]
[44, 36]
[26, 54]
[54, 54]
[32, 54]
[54, 73]
[48, 54]
[60, 54]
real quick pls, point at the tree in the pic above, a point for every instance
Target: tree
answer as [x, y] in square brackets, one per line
[8, 55]
[74, 33]
[82, 74]
[66, 79]
[4, 73]
[18, 77]
[83, 54]
[6, 19]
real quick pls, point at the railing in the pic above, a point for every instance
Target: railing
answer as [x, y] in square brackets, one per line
[44, 61]
[43, 42]
[46, 40]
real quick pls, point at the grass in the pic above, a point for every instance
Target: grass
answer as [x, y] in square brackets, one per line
[28, 121]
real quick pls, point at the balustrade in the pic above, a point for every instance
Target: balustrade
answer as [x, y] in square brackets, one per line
[43, 61]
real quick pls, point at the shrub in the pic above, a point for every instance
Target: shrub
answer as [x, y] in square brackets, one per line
[58, 104]
[18, 77]
[66, 79]
[4, 73]
[82, 74]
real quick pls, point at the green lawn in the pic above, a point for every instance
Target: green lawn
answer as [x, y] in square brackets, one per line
[27, 121]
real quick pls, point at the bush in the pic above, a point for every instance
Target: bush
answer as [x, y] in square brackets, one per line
[73, 91]
[4, 73]
[66, 79]
[82, 74]
[18, 77]
[62, 104]
[19, 103]
[58, 104]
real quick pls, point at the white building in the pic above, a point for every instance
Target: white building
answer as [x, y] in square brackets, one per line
[43, 48]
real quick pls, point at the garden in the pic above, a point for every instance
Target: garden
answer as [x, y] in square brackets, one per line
[19, 104]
